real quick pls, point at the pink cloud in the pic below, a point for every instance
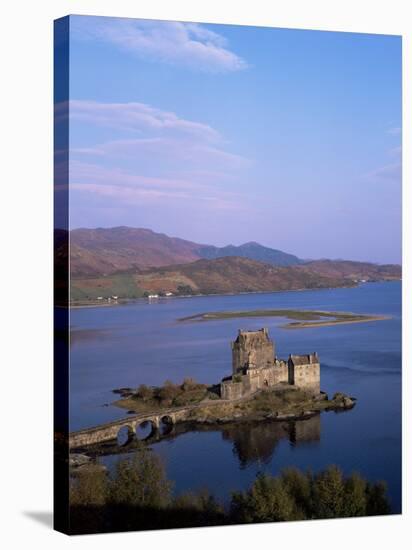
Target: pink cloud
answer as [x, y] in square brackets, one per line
[138, 117]
[124, 187]
[179, 151]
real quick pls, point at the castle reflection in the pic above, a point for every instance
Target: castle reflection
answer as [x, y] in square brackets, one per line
[253, 442]
[257, 442]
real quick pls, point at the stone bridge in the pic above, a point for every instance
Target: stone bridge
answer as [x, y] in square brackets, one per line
[170, 417]
[110, 431]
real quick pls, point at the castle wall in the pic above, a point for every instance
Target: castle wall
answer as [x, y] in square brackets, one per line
[231, 390]
[277, 374]
[255, 380]
[306, 377]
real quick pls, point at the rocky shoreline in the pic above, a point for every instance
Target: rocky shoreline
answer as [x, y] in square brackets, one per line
[298, 411]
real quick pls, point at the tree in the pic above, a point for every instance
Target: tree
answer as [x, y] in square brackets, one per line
[168, 392]
[88, 497]
[189, 384]
[139, 495]
[328, 493]
[144, 392]
[185, 290]
[376, 500]
[89, 488]
[140, 481]
[355, 498]
[299, 485]
[267, 500]
[201, 507]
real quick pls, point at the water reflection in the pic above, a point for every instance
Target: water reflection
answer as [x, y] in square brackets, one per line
[78, 336]
[252, 443]
[257, 442]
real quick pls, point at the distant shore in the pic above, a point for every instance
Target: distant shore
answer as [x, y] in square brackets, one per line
[122, 301]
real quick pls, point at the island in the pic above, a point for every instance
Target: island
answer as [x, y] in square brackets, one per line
[301, 318]
[262, 387]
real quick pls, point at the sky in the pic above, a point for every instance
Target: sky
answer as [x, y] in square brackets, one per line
[225, 134]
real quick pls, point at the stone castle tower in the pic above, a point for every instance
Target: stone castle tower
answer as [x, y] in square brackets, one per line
[304, 371]
[255, 367]
[252, 349]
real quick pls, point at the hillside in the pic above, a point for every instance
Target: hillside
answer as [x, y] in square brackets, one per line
[220, 276]
[104, 251]
[356, 271]
[233, 274]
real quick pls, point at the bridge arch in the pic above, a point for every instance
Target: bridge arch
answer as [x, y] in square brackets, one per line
[125, 435]
[145, 429]
[166, 423]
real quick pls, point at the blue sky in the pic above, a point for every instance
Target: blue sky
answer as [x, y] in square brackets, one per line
[226, 134]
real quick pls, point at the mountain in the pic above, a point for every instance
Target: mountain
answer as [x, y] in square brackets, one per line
[128, 262]
[253, 251]
[108, 250]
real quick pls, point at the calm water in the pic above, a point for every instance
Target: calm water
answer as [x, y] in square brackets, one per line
[143, 343]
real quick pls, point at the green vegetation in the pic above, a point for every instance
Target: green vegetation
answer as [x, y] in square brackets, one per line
[122, 285]
[295, 495]
[303, 318]
[138, 495]
[147, 398]
[140, 481]
[185, 290]
[87, 290]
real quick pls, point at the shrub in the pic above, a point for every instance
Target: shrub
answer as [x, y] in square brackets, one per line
[189, 384]
[144, 392]
[168, 392]
[186, 290]
[89, 488]
[140, 481]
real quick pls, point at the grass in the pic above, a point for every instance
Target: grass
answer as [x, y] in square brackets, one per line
[302, 318]
[88, 289]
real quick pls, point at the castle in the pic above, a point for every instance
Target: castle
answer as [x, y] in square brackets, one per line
[255, 367]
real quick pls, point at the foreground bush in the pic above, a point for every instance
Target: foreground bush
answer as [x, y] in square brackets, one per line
[295, 495]
[139, 496]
